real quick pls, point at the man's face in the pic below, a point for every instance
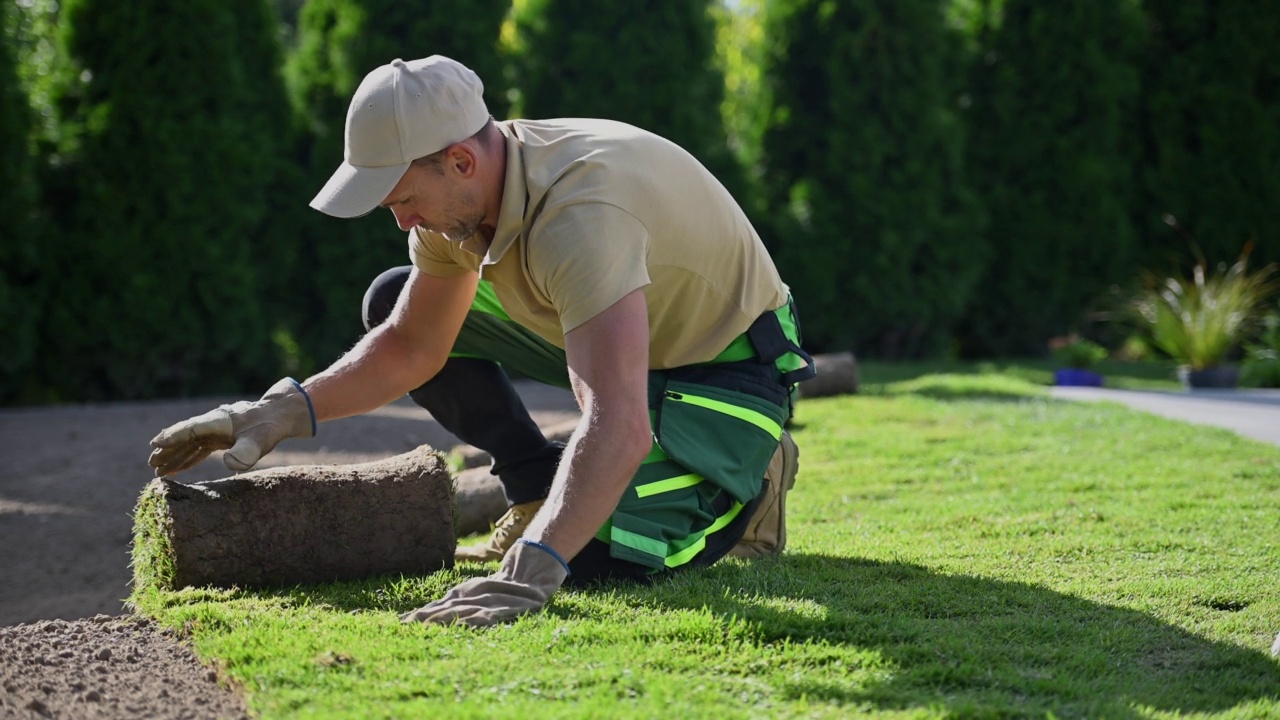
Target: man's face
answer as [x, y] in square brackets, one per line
[438, 199]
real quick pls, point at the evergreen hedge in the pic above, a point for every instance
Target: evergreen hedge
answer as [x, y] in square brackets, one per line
[1054, 92]
[19, 306]
[877, 231]
[914, 191]
[655, 69]
[165, 162]
[339, 42]
[1211, 132]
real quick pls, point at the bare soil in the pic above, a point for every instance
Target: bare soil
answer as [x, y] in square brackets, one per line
[69, 479]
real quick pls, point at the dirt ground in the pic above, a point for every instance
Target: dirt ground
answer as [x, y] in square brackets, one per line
[69, 477]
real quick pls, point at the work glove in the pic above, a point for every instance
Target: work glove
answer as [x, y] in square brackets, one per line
[246, 430]
[530, 573]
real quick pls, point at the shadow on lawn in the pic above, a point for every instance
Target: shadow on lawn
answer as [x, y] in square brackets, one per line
[979, 646]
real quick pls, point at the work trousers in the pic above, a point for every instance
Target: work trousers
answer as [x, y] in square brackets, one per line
[473, 398]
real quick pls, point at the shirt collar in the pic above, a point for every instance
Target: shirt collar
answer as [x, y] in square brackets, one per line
[515, 196]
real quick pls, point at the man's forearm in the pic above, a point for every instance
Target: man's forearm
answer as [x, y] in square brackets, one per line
[379, 369]
[599, 462]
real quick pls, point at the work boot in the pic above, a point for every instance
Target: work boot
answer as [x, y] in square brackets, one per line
[767, 530]
[506, 532]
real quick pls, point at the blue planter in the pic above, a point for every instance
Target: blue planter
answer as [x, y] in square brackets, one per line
[1077, 377]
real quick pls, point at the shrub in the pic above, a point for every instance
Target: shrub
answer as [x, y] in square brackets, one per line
[19, 308]
[1197, 321]
[1081, 354]
[163, 167]
[877, 231]
[1210, 127]
[1261, 367]
[1053, 92]
[654, 69]
[338, 43]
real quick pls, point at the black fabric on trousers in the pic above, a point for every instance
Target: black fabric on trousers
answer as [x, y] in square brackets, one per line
[473, 398]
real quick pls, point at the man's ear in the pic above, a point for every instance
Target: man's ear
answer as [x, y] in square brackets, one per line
[462, 159]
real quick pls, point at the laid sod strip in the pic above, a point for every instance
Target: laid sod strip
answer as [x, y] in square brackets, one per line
[960, 546]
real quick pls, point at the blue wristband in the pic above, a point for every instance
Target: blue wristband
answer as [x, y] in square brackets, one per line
[549, 551]
[310, 408]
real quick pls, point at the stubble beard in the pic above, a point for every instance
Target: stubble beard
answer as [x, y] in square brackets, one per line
[467, 219]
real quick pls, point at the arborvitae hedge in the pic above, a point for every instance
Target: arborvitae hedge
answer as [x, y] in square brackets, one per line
[19, 306]
[1054, 91]
[339, 42]
[654, 68]
[164, 170]
[878, 235]
[1211, 131]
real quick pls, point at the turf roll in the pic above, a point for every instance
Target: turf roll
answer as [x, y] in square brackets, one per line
[837, 375]
[297, 524]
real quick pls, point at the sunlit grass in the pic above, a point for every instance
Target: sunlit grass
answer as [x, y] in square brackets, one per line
[1120, 374]
[960, 545]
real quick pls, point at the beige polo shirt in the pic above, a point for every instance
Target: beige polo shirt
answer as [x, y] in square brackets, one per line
[594, 209]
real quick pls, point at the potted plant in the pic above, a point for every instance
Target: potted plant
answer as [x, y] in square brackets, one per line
[1199, 320]
[1078, 356]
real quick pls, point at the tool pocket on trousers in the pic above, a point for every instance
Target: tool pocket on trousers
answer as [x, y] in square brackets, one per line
[727, 437]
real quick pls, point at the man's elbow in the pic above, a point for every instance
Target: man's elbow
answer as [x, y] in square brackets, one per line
[410, 361]
[638, 439]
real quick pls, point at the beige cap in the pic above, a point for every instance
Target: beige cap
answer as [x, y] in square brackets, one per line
[401, 112]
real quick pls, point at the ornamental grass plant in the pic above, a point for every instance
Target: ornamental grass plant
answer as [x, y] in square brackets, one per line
[1199, 320]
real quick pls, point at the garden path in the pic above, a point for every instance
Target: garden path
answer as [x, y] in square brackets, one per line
[1251, 413]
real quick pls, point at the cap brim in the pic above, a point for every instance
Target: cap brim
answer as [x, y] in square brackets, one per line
[355, 191]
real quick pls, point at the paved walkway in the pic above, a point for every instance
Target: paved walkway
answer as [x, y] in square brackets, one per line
[1252, 413]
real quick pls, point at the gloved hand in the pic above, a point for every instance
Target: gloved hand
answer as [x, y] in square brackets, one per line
[530, 573]
[246, 430]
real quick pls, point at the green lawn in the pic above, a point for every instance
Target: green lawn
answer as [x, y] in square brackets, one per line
[961, 546]
[1150, 375]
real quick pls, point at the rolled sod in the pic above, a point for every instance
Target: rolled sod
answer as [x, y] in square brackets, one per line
[837, 375]
[296, 525]
[479, 501]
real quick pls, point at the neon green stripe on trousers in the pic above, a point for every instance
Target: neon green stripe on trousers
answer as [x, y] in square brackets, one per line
[683, 556]
[760, 420]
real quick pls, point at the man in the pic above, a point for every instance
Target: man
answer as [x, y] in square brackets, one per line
[583, 253]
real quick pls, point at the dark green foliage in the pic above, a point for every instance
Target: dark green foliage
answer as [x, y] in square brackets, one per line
[166, 158]
[1211, 126]
[1052, 142]
[19, 306]
[654, 68]
[877, 232]
[339, 42]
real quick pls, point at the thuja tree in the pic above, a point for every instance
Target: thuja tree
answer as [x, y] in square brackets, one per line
[878, 234]
[656, 69]
[1054, 94]
[19, 303]
[339, 42]
[165, 165]
[1211, 131]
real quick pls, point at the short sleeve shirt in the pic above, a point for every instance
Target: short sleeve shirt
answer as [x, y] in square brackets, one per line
[593, 210]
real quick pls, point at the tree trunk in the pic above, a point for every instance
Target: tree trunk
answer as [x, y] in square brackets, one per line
[298, 524]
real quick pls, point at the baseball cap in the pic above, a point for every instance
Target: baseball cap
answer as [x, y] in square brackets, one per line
[402, 111]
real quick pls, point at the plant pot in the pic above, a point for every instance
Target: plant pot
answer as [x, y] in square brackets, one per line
[1218, 376]
[1077, 377]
